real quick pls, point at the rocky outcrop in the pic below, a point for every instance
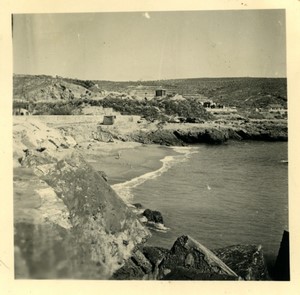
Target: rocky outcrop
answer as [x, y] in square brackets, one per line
[189, 254]
[190, 260]
[210, 136]
[245, 260]
[155, 255]
[137, 267]
[69, 223]
[153, 216]
[161, 137]
[265, 131]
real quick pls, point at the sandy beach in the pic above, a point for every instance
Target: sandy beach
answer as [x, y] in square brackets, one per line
[122, 161]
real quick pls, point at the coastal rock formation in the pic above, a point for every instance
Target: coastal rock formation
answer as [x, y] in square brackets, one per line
[69, 223]
[189, 254]
[245, 260]
[161, 137]
[153, 216]
[154, 254]
[136, 268]
[190, 260]
[211, 136]
[266, 131]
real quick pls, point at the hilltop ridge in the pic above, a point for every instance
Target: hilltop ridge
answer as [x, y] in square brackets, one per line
[239, 92]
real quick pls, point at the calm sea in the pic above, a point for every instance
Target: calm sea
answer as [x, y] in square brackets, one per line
[220, 195]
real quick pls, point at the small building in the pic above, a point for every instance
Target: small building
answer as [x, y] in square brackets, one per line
[276, 108]
[207, 104]
[20, 112]
[160, 92]
[108, 120]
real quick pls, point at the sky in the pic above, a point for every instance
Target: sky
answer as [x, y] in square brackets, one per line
[123, 46]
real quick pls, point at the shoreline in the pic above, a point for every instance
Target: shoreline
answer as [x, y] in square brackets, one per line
[124, 161]
[56, 158]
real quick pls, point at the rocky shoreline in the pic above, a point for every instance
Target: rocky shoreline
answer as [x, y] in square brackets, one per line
[189, 260]
[69, 223]
[186, 134]
[270, 131]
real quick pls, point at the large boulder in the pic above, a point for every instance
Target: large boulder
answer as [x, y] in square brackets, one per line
[245, 260]
[154, 254]
[153, 216]
[135, 268]
[188, 254]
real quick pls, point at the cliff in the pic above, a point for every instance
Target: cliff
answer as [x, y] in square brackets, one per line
[68, 221]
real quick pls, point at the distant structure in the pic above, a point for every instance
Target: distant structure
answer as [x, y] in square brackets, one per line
[109, 120]
[207, 104]
[277, 108]
[20, 112]
[160, 92]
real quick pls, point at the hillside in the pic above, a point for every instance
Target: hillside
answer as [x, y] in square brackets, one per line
[46, 88]
[245, 93]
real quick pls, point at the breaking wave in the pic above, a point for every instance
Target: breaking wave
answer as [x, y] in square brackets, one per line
[124, 189]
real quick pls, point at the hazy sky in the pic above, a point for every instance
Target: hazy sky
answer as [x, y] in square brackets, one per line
[151, 45]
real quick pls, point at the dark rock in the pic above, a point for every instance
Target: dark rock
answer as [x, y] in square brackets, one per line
[247, 261]
[214, 136]
[265, 131]
[140, 260]
[41, 149]
[153, 216]
[187, 253]
[129, 271]
[135, 268]
[154, 254]
[282, 264]
[232, 134]
[159, 136]
[210, 136]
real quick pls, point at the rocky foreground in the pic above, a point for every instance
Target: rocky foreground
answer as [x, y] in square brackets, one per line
[69, 223]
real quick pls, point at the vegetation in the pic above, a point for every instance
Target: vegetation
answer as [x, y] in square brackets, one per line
[154, 109]
[61, 95]
[73, 107]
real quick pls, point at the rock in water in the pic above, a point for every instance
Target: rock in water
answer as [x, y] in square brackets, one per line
[153, 216]
[188, 254]
[245, 260]
[282, 264]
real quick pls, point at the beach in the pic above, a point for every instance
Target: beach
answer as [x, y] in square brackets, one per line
[198, 191]
[123, 161]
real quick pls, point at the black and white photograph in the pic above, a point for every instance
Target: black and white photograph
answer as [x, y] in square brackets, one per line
[151, 145]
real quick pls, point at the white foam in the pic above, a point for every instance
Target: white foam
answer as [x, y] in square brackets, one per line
[124, 189]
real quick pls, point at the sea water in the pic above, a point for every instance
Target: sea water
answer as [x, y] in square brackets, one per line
[220, 195]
